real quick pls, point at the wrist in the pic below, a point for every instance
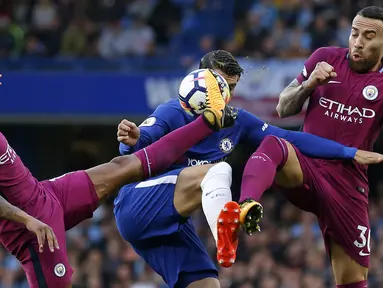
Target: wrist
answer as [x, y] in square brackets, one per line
[22, 217]
[349, 152]
[307, 87]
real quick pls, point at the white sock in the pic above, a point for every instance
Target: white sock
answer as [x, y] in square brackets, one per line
[216, 193]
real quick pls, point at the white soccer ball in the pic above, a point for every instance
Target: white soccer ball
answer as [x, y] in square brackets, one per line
[192, 91]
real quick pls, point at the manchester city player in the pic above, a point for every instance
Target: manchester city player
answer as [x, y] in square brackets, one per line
[153, 215]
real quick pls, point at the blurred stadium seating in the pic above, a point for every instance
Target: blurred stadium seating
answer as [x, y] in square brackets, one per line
[72, 68]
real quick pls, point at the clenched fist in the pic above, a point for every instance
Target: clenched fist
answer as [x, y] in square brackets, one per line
[321, 75]
[128, 133]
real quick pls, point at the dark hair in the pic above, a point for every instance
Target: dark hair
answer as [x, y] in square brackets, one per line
[372, 12]
[222, 60]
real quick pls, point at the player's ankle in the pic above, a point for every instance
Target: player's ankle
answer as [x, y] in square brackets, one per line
[211, 120]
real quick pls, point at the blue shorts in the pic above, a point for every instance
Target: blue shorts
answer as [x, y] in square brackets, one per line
[146, 217]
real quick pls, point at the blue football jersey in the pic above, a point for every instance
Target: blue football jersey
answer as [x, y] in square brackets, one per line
[247, 129]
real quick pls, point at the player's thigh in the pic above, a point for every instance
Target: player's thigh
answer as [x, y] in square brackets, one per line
[77, 195]
[205, 283]
[179, 258]
[48, 269]
[299, 180]
[146, 209]
[346, 269]
[107, 178]
[291, 174]
[345, 225]
[187, 194]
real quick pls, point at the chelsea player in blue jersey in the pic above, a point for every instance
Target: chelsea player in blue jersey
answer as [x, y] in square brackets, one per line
[154, 215]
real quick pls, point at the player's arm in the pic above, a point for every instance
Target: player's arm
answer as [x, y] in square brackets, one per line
[292, 99]
[315, 72]
[310, 145]
[158, 124]
[145, 135]
[42, 231]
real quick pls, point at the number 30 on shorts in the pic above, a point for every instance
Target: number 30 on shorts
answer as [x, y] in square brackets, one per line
[364, 240]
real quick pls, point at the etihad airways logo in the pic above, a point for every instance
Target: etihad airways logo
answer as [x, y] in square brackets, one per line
[344, 112]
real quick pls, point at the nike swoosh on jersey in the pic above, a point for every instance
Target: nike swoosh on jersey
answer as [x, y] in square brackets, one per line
[361, 253]
[334, 82]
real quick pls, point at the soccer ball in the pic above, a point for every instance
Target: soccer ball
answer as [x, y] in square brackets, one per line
[192, 91]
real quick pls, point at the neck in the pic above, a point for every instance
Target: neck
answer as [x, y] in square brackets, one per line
[377, 66]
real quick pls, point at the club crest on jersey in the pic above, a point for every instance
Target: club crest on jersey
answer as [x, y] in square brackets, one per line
[226, 145]
[60, 270]
[370, 92]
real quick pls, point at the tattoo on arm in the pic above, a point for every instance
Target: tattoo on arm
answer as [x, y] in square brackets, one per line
[10, 212]
[292, 99]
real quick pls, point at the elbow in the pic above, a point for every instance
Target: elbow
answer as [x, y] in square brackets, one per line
[282, 111]
[285, 110]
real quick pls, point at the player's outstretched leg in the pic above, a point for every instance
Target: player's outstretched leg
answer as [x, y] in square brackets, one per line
[161, 154]
[347, 270]
[258, 176]
[260, 171]
[215, 194]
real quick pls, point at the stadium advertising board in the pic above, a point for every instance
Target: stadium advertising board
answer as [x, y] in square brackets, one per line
[43, 95]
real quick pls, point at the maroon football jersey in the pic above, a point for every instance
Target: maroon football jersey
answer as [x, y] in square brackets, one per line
[15, 178]
[348, 110]
[20, 188]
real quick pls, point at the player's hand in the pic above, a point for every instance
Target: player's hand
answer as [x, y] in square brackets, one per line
[366, 157]
[128, 133]
[42, 231]
[321, 75]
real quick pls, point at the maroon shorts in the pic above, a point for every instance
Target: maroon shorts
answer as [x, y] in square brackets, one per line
[65, 202]
[342, 217]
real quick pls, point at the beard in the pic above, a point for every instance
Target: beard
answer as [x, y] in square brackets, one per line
[364, 65]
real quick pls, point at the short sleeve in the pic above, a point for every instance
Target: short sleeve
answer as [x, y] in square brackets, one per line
[319, 55]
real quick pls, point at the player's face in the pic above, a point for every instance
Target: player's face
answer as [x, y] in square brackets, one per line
[366, 44]
[231, 80]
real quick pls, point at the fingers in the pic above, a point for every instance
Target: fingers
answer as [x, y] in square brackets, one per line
[378, 158]
[41, 239]
[123, 139]
[52, 240]
[125, 127]
[326, 67]
[323, 71]
[333, 74]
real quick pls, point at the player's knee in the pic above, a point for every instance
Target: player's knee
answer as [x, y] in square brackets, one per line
[350, 276]
[271, 140]
[205, 283]
[276, 147]
[187, 193]
[222, 170]
[346, 270]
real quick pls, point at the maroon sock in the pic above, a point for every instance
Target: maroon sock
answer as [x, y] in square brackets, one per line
[163, 153]
[262, 166]
[362, 284]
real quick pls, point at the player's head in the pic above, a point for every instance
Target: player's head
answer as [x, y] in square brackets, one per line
[225, 64]
[366, 40]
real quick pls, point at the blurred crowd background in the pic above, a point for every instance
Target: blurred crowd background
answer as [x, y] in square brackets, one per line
[289, 253]
[178, 29]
